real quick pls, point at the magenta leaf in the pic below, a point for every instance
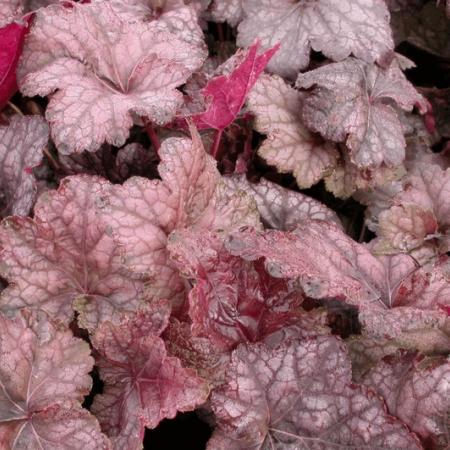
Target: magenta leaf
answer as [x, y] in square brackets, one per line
[233, 300]
[300, 395]
[82, 54]
[356, 103]
[227, 93]
[417, 391]
[143, 385]
[12, 37]
[44, 376]
[21, 145]
[63, 260]
[337, 30]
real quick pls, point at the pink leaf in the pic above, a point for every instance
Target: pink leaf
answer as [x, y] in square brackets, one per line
[21, 145]
[420, 213]
[64, 260]
[83, 53]
[416, 391]
[289, 146]
[354, 102]
[143, 212]
[227, 94]
[410, 307]
[142, 384]
[196, 352]
[281, 208]
[174, 16]
[318, 255]
[44, 375]
[300, 395]
[395, 301]
[14, 10]
[230, 11]
[12, 37]
[233, 300]
[337, 29]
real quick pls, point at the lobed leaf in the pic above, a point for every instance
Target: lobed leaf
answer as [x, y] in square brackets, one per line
[63, 260]
[300, 395]
[337, 30]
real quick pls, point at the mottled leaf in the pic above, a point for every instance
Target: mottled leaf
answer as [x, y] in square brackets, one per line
[317, 255]
[63, 259]
[337, 29]
[21, 145]
[416, 391]
[290, 147]
[281, 208]
[411, 309]
[420, 213]
[175, 16]
[142, 212]
[103, 69]
[300, 395]
[44, 376]
[355, 103]
[233, 300]
[230, 11]
[142, 384]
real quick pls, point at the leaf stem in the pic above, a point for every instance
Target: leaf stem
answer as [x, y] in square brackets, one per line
[15, 108]
[53, 162]
[153, 136]
[216, 143]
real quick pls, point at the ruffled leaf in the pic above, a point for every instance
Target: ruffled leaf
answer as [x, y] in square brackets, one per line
[142, 212]
[233, 301]
[289, 146]
[337, 29]
[44, 374]
[355, 103]
[143, 385]
[63, 260]
[300, 395]
[83, 53]
[420, 213]
[417, 392]
[21, 145]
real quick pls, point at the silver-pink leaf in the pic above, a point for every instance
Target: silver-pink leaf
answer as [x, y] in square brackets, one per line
[63, 259]
[44, 376]
[337, 29]
[21, 146]
[102, 70]
[355, 102]
[300, 395]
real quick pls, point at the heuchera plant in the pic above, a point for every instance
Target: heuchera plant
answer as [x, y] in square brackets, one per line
[236, 212]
